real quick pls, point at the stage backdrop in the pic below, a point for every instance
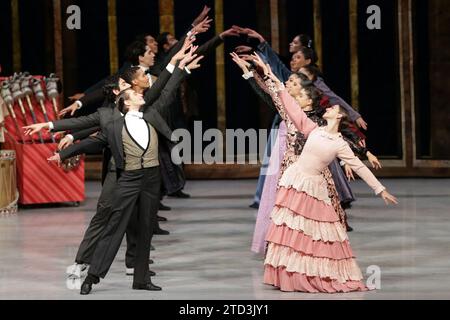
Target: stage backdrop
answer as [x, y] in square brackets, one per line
[397, 76]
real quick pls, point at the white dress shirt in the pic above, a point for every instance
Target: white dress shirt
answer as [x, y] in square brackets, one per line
[137, 127]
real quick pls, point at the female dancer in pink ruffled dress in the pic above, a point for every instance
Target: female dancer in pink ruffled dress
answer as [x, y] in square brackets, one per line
[308, 247]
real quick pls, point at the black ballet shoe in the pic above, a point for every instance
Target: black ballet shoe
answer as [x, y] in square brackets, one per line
[179, 194]
[86, 287]
[163, 207]
[152, 248]
[161, 232]
[147, 286]
[161, 219]
[346, 205]
[349, 229]
[254, 205]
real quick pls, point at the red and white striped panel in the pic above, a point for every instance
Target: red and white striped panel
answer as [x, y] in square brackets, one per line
[42, 182]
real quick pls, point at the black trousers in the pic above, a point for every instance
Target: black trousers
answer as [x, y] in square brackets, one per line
[141, 187]
[99, 221]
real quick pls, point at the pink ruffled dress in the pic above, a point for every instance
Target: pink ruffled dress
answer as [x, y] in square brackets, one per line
[308, 247]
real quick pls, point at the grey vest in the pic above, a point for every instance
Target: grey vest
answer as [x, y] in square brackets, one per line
[135, 156]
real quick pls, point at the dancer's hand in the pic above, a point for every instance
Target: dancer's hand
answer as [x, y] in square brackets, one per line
[388, 198]
[65, 142]
[55, 158]
[188, 57]
[260, 63]
[376, 164]
[194, 64]
[250, 33]
[243, 49]
[203, 26]
[201, 16]
[361, 123]
[349, 172]
[182, 53]
[76, 96]
[229, 33]
[35, 128]
[72, 108]
[244, 65]
[267, 70]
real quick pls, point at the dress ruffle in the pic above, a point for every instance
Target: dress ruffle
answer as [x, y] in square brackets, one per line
[341, 270]
[314, 185]
[305, 205]
[288, 281]
[325, 231]
[305, 245]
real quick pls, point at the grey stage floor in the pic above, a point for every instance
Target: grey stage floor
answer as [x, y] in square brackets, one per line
[207, 255]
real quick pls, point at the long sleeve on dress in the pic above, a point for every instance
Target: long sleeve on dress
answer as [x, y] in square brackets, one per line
[296, 114]
[261, 92]
[346, 154]
[277, 66]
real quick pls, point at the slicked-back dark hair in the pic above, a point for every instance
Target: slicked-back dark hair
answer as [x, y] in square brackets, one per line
[134, 51]
[130, 74]
[112, 83]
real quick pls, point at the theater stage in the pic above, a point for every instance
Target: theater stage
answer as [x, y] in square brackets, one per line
[207, 255]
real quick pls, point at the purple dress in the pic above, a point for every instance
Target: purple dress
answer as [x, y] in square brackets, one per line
[269, 191]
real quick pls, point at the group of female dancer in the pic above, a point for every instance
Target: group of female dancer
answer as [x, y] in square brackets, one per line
[301, 224]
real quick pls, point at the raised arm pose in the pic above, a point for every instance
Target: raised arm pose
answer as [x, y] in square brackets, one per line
[303, 56]
[308, 249]
[134, 140]
[309, 99]
[91, 145]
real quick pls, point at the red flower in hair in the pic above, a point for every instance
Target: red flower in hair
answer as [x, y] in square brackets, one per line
[325, 102]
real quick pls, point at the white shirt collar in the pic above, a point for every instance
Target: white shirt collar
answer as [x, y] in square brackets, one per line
[136, 114]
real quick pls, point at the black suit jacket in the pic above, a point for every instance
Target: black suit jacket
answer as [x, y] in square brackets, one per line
[111, 123]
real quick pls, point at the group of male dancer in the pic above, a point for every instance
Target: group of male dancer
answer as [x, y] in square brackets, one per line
[133, 129]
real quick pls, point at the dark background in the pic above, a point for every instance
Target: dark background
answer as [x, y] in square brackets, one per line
[86, 56]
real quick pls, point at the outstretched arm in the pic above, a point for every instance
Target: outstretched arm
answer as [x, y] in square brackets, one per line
[79, 123]
[278, 67]
[346, 155]
[254, 80]
[296, 114]
[152, 94]
[91, 145]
